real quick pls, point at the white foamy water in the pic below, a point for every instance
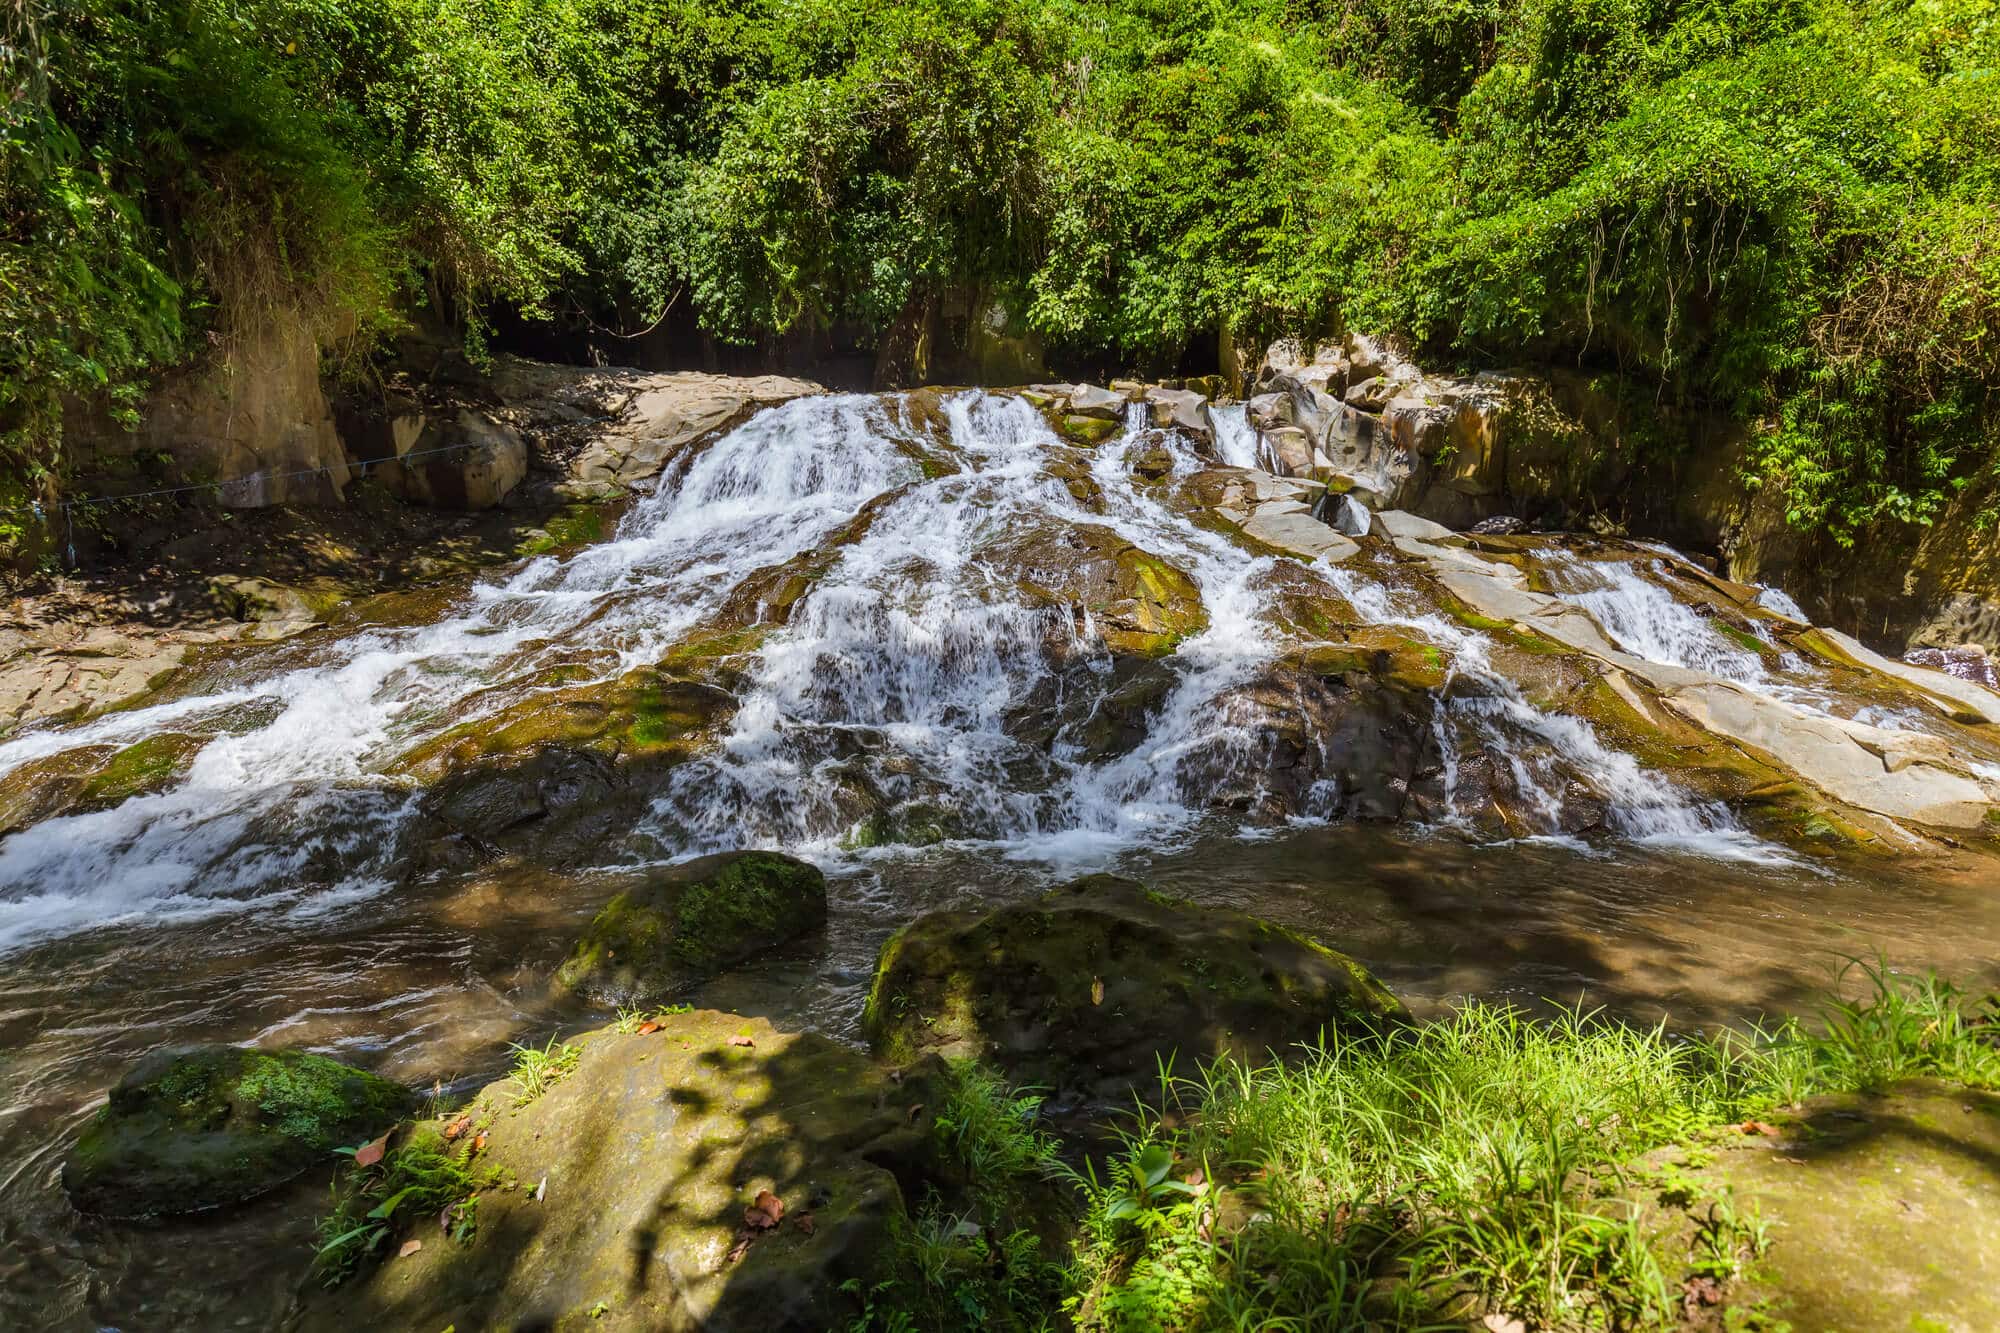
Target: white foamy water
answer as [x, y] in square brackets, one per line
[896, 676]
[1646, 620]
[1237, 442]
[299, 802]
[1545, 752]
[889, 705]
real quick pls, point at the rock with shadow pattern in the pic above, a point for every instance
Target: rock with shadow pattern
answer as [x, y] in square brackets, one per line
[648, 1160]
[1085, 989]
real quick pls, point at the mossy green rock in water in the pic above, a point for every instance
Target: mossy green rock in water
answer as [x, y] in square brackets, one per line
[193, 1129]
[1086, 988]
[689, 920]
[645, 1160]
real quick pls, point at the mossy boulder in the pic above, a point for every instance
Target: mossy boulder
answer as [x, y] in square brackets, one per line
[690, 920]
[619, 1198]
[1086, 988]
[93, 777]
[187, 1130]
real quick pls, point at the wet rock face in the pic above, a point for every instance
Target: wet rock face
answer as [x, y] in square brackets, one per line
[1138, 602]
[1965, 662]
[693, 919]
[648, 1157]
[189, 1130]
[1086, 988]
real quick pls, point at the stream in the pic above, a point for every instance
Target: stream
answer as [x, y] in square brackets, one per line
[963, 659]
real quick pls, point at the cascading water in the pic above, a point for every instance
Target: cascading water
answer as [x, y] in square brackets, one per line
[288, 800]
[1646, 620]
[1237, 442]
[892, 686]
[1545, 751]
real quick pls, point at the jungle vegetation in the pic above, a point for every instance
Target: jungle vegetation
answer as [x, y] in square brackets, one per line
[1785, 210]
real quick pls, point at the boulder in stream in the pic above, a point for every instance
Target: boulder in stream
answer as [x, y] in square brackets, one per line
[1086, 988]
[187, 1130]
[627, 1196]
[693, 919]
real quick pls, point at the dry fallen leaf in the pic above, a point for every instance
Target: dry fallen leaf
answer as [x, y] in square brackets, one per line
[1701, 1291]
[1097, 990]
[765, 1213]
[1503, 1323]
[410, 1247]
[741, 1041]
[743, 1239]
[479, 1144]
[457, 1127]
[648, 1027]
[804, 1222]
[1758, 1127]
[370, 1153]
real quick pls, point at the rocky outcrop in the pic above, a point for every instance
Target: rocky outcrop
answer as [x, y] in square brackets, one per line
[687, 921]
[1358, 415]
[651, 417]
[455, 459]
[1900, 774]
[623, 1197]
[1137, 602]
[253, 419]
[189, 1130]
[1087, 988]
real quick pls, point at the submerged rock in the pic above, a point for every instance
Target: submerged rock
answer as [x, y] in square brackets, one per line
[1085, 989]
[193, 1129]
[628, 1187]
[689, 920]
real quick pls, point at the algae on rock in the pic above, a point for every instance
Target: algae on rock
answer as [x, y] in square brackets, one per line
[693, 919]
[1085, 989]
[186, 1130]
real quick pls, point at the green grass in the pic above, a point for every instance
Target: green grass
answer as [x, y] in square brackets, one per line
[539, 1068]
[1482, 1163]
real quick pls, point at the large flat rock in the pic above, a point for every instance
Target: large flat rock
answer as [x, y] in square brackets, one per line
[664, 413]
[645, 1160]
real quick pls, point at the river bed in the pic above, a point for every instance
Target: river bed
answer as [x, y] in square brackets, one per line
[940, 670]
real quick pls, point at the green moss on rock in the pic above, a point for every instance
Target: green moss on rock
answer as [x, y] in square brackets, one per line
[1085, 989]
[139, 769]
[195, 1129]
[693, 919]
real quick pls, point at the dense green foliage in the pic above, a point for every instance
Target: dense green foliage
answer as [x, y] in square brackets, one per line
[1480, 1163]
[1785, 209]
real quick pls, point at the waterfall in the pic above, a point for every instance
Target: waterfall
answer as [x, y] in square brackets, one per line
[893, 691]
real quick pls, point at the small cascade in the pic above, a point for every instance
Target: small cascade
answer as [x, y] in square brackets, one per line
[1645, 620]
[1237, 442]
[1545, 752]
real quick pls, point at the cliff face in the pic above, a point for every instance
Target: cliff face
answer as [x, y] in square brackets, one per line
[255, 419]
